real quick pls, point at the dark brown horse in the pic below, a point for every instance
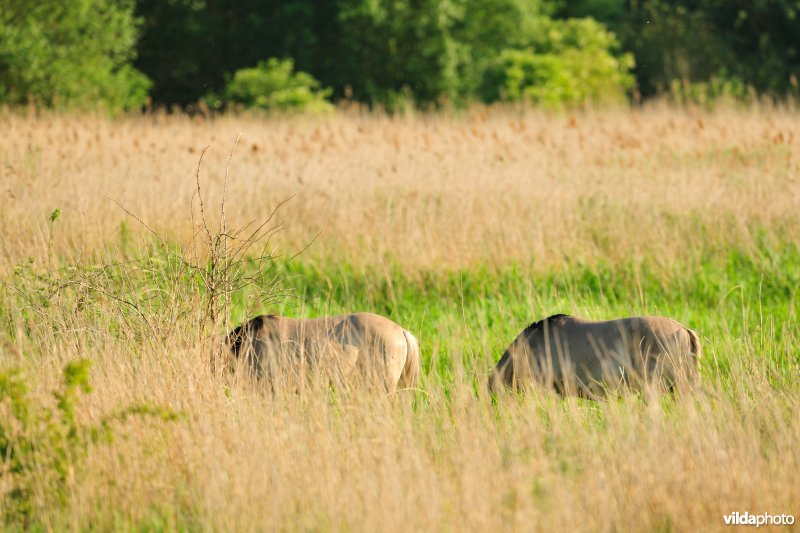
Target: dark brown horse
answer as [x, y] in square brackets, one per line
[589, 358]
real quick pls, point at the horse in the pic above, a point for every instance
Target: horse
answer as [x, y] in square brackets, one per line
[579, 357]
[284, 350]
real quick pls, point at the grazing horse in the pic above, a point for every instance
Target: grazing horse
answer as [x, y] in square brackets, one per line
[285, 351]
[590, 358]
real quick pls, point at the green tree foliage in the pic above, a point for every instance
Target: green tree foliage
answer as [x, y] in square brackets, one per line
[480, 49]
[570, 62]
[394, 48]
[720, 88]
[273, 85]
[189, 48]
[489, 27]
[391, 52]
[722, 43]
[378, 51]
[70, 54]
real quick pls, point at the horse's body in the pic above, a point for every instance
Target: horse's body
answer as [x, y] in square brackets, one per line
[283, 350]
[587, 358]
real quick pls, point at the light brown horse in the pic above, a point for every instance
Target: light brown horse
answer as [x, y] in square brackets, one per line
[589, 358]
[287, 351]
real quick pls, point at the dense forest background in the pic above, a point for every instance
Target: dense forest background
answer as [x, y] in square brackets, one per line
[127, 54]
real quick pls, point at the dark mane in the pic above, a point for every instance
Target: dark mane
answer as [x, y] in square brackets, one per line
[237, 337]
[537, 325]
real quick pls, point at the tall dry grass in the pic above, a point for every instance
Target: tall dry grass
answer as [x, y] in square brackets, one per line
[427, 193]
[245, 460]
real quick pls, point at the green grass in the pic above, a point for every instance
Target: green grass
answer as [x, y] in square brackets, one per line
[742, 303]
[733, 298]
[730, 298]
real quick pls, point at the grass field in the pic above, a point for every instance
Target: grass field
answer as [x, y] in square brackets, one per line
[463, 229]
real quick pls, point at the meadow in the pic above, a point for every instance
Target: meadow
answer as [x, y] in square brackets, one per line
[462, 227]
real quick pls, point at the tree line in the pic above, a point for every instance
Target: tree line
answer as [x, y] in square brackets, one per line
[124, 54]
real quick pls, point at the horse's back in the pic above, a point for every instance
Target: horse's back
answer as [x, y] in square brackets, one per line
[658, 332]
[572, 352]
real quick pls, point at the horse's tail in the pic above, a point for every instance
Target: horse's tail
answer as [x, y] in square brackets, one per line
[411, 370]
[695, 348]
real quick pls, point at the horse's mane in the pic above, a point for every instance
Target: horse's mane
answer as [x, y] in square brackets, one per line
[537, 325]
[237, 337]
